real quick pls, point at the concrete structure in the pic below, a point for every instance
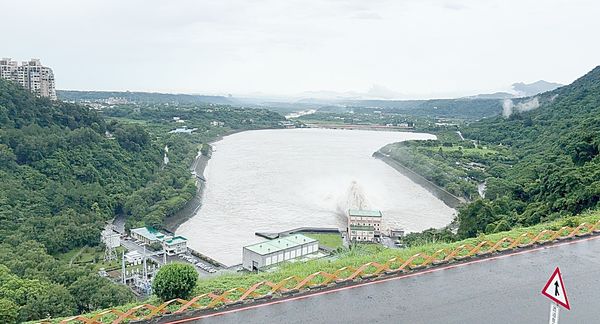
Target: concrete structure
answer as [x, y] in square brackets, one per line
[396, 232]
[364, 225]
[111, 240]
[147, 235]
[361, 233]
[172, 245]
[134, 257]
[175, 245]
[271, 252]
[31, 75]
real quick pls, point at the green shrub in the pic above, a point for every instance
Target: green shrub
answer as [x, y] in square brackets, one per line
[176, 280]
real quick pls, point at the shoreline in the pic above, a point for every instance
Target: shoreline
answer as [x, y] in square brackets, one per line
[199, 165]
[449, 199]
[190, 209]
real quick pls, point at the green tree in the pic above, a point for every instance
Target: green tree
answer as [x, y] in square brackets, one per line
[52, 301]
[93, 292]
[8, 311]
[474, 218]
[176, 280]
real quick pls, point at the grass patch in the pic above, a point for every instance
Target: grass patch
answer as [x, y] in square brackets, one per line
[91, 257]
[330, 240]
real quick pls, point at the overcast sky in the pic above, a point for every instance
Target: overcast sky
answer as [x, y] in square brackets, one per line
[420, 48]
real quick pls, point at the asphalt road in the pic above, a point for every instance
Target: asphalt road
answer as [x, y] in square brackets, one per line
[503, 289]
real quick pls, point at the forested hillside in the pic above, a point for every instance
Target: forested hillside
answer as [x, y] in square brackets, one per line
[462, 108]
[66, 171]
[62, 178]
[557, 168]
[540, 163]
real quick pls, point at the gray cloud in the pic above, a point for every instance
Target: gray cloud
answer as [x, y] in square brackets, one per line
[285, 47]
[367, 15]
[454, 6]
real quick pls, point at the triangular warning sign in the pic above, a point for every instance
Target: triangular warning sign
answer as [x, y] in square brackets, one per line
[555, 290]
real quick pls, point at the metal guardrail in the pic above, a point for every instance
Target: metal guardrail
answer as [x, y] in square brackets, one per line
[321, 279]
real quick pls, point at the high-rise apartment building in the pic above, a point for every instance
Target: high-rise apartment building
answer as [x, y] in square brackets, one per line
[32, 75]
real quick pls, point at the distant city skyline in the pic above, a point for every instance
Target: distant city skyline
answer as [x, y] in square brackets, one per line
[397, 49]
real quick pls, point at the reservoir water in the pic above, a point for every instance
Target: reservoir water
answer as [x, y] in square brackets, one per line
[275, 180]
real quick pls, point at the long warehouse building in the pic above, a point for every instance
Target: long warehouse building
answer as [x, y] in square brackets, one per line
[264, 254]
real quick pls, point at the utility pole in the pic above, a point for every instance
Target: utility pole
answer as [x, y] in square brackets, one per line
[145, 270]
[164, 253]
[123, 267]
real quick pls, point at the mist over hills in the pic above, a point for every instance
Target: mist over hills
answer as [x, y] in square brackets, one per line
[377, 97]
[520, 90]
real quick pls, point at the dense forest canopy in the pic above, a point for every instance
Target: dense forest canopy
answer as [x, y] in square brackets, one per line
[463, 108]
[66, 171]
[538, 162]
[62, 178]
[557, 170]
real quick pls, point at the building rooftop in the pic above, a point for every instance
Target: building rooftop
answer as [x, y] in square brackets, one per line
[175, 240]
[149, 233]
[133, 254]
[280, 244]
[364, 213]
[362, 228]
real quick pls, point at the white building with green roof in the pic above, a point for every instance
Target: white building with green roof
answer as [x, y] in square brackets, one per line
[267, 253]
[364, 225]
[175, 245]
[148, 235]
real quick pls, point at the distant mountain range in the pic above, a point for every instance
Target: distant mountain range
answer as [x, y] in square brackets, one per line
[377, 97]
[379, 92]
[520, 90]
[531, 89]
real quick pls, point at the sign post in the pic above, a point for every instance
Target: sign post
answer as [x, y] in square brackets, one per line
[554, 310]
[555, 290]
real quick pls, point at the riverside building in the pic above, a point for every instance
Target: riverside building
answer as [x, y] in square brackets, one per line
[31, 75]
[171, 245]
[364, 225]
[264, 254]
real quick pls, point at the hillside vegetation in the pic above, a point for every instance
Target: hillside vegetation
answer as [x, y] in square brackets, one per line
[537, 165]
[66, 171]
[61, 180]
[557, 167]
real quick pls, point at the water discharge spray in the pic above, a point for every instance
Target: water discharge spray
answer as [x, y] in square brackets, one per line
[355, 199]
